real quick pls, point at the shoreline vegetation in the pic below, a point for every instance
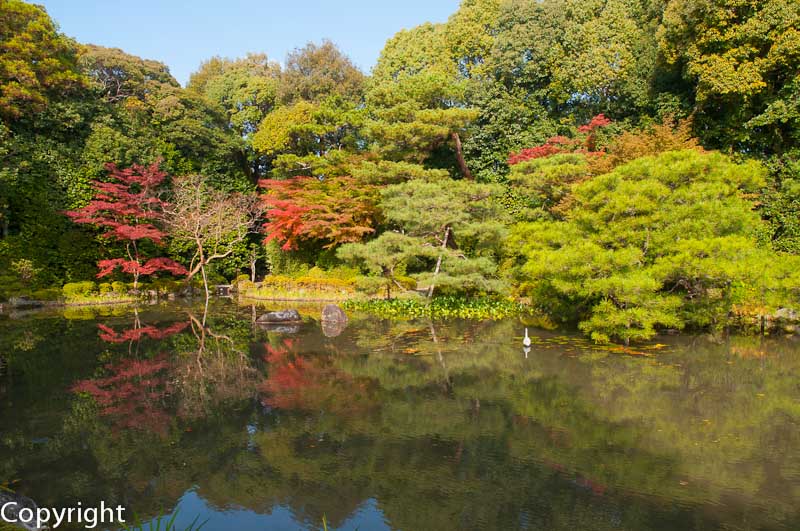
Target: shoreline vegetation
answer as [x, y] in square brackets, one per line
[347, 287]
[477, 167]
[405, 306]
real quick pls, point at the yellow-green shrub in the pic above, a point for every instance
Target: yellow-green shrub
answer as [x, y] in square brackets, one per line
[73, 290]
[119, 287]
[245, 285]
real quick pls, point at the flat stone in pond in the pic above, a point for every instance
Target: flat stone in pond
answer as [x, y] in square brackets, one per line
[283, 316]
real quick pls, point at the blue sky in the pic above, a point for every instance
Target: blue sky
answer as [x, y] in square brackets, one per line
[182, 33]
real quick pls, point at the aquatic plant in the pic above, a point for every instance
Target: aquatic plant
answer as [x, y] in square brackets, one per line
[446, 307]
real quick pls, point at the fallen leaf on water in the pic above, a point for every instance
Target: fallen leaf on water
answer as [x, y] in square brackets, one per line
[627, 351]
[657, 346]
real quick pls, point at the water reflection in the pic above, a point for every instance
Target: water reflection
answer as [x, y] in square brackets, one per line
[398, 425]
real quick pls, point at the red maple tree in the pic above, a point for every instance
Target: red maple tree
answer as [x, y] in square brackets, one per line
[585, 143]
[128, 208]
[335, 210]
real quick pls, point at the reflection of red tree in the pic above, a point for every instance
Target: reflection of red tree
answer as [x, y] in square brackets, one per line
[290, 376]
[307, 382]
[135, 334]
[133, 395]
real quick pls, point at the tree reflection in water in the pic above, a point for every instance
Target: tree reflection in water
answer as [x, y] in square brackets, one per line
[423, 425]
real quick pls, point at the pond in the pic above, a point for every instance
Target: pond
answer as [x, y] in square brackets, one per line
[395, 425]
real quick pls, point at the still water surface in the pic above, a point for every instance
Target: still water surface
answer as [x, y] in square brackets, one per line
[396, 425]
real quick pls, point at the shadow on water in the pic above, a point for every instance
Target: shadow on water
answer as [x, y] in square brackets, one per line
[396, 425]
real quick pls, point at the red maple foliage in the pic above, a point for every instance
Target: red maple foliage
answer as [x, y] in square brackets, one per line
[586, 143]
[136, 268]
[550, 147]
[134, 395]
[335, 210]
[595, 123]
[127, 208]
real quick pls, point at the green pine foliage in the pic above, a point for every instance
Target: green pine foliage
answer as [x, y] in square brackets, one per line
[660, 242]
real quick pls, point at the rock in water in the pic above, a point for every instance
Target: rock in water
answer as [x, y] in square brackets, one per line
[334, 320]
[333, 313]
[24, 302]
[283, 316]
[333, 328]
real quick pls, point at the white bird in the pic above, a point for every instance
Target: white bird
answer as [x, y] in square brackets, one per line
[527, 341]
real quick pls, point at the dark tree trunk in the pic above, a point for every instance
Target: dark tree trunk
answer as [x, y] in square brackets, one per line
[462, 164]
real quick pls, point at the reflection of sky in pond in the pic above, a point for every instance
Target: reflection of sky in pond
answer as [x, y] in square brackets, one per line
[366, 518]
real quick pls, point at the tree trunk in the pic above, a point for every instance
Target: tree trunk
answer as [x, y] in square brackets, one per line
[134, 257]
[462, 164]
[205, 280]
[438, 262]
[202, 257]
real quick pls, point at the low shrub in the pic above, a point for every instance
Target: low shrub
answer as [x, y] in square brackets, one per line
[300, 288]
[164, 286]
[340, 273]
[119, 287]
[306, 281]
[372, 286]
[245, 285]
[74, 290]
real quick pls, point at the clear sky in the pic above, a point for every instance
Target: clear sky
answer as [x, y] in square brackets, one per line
[182, 33]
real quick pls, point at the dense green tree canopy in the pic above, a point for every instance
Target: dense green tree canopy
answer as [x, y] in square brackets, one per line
[665, 240]
[246, 88]
[742, 58]
[317, 71]
[36, 62]
[118, 75]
